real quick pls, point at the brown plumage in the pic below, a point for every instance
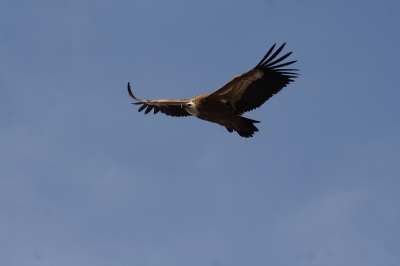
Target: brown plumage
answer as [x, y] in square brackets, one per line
[226, 105]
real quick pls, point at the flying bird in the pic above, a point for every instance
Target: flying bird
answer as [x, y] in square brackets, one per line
[226, 105]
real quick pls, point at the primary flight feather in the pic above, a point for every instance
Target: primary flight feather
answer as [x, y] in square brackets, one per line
[226, 105]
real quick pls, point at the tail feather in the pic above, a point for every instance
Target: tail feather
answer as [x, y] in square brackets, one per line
[247, 130]
[229, 129]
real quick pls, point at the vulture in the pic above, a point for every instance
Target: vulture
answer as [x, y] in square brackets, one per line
[226, 105]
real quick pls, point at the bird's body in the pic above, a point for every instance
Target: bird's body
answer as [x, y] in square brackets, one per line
[205, 108]
[226, 105]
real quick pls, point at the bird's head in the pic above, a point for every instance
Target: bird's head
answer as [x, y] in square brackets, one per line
[191, 108]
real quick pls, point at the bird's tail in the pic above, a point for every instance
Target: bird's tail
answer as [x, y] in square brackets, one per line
[246, 127]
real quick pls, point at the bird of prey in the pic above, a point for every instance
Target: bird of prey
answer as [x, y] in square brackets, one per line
[226, 105]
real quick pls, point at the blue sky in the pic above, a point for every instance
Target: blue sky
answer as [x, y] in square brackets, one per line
[87, 180]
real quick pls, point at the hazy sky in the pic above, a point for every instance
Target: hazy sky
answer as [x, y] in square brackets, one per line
[87, 180]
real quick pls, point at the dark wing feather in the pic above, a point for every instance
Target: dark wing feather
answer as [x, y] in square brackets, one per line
[168, 107]
[253, 88]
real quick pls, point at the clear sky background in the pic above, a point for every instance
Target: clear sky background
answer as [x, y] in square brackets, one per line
[87, 180]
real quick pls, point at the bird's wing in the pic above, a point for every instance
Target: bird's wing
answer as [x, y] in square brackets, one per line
[253, 88]
[166, 106]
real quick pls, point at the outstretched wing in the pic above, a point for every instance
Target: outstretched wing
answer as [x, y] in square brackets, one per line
[253, 88]
[168, 107]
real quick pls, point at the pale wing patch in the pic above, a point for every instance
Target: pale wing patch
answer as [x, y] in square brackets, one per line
[239, 86]
[242, 82]
[168, 101]
[225, 92]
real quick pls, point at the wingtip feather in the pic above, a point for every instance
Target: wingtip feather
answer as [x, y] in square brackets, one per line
[130, 93]
[142, 107]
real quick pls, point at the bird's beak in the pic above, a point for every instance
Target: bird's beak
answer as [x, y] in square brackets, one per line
[184, 106]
